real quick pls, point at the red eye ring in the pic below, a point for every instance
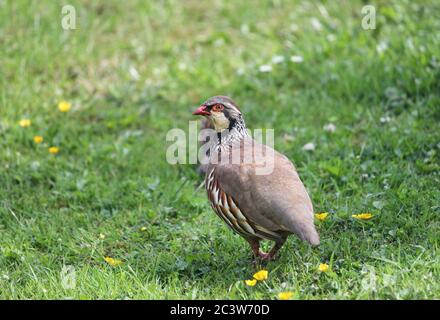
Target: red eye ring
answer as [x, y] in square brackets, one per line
[218, 107]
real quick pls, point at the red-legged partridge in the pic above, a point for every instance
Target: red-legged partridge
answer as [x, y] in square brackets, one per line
[256, 205]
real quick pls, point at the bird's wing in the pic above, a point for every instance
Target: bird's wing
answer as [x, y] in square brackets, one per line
[278, 200]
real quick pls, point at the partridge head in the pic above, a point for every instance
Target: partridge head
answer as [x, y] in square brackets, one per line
[269, 205]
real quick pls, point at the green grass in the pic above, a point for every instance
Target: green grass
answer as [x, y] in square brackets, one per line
[111, 176]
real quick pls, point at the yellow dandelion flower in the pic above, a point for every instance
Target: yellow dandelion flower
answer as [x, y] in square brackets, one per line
[54, 150]
[261, 275]
[38, 139]
[112, 262]
[362, 216]
[24, 123]
[64, 106]
[323, 267]
[285, 295]
[251, 283]
[101, 236]
[321, 216]
[143, 229]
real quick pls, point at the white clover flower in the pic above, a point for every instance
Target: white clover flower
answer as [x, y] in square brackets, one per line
[134, 73]
[277, 59]
[316, 24]
[381, 47]
[219, 42]
[244, 28]
[296, 59]
[385, 119]
[330, 127]
[294, 27]
[331, 37]
[265, 68]
[309, 146]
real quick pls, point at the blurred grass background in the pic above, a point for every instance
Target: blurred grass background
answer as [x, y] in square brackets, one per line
[134, 70]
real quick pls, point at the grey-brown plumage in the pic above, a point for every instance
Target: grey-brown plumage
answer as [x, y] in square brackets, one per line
[269, 205]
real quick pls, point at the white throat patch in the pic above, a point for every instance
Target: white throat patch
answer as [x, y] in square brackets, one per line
[219, 121]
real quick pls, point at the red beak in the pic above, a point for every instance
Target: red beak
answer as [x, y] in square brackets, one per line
[201, 111]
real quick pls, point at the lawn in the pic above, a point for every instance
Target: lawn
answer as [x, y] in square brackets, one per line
[134, 70]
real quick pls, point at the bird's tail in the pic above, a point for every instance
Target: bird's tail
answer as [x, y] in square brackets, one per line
[310, 235]
[301, 223]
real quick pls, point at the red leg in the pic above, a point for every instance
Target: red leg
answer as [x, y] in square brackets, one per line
[271, 255]
[255, 246]
[259, 254]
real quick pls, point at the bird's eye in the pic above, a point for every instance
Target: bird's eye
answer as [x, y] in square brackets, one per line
[217, 108]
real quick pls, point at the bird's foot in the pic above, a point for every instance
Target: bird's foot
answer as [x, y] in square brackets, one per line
[259, 256]
[266, 256]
